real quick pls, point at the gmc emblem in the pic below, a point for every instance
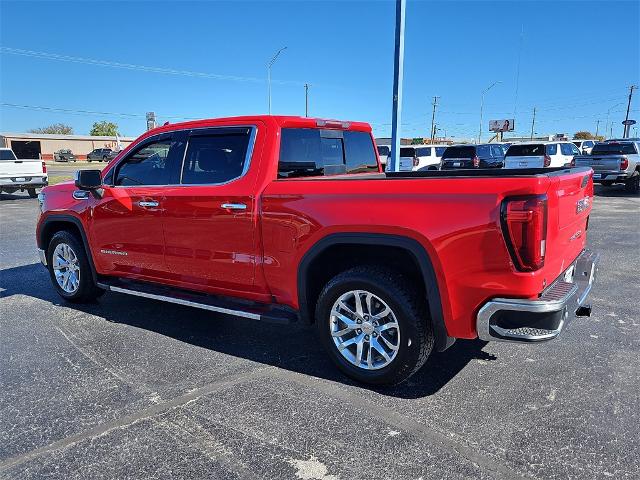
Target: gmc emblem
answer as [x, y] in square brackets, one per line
[582, 204]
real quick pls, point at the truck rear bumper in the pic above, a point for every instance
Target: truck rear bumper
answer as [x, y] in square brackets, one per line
[609, 176]
[530, 321]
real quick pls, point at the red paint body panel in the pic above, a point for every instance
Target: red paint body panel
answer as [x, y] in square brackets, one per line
[190, 241]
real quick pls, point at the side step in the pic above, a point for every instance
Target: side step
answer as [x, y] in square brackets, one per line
[227, 305]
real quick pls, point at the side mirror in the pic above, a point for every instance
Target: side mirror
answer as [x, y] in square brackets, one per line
[89, 180]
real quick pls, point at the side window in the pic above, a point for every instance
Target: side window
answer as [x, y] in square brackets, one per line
[359, 152]
[496, 151]
[574, 150]
[552, 149]
[565, 148]
[145, 166]
[215, 158]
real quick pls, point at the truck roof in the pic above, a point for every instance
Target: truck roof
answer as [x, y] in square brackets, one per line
[284, 121]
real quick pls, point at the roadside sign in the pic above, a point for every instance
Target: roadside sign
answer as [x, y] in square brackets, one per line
[502, 125]
[629, 122]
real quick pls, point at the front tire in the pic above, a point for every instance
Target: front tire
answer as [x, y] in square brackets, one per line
[70, 270]
[374, 325]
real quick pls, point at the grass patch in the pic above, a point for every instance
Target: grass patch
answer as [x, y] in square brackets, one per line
[54, 179]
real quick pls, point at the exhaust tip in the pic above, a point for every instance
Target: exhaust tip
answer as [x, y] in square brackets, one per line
[583, 311]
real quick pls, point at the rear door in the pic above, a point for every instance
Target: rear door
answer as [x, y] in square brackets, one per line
[407, 156]
[458, 157]
[211, 211]
[126, 227]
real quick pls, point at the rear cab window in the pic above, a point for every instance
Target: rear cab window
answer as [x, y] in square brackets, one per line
[306, 152]
[628, 148]
[7, 155]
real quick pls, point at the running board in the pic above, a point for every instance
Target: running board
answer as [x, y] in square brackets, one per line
[226, 305]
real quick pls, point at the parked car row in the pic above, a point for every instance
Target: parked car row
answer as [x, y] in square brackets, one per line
[97, 155]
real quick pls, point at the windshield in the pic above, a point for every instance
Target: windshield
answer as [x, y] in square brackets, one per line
[407, 152]
[613, 148]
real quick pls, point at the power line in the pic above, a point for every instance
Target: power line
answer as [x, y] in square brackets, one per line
[140, 68]
[89, 112]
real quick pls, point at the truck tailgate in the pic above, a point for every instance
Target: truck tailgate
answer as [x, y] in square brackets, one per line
[20, 168]
[600, 163]
[570, 197]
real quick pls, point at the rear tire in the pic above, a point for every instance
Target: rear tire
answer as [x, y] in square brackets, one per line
[405, 333]
[32, 192]
[632, 185]
[70, 271]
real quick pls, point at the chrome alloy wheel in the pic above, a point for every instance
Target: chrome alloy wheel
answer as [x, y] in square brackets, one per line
[66, 268]
[365, 330]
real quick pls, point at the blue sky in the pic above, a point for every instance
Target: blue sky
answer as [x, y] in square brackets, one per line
[574, 64]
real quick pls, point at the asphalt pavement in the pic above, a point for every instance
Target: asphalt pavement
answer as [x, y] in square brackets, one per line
[135, 388]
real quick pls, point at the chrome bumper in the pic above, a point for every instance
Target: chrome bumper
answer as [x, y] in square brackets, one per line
[43, 256]
[523, 320]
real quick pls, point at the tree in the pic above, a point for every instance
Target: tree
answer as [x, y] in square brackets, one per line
[583, 135]
[59, 128]
[104, 129]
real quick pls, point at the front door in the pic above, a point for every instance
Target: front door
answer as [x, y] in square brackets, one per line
[210, 216]
[127, 222]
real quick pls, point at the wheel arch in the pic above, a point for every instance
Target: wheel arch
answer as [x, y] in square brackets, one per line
[314, 261]
[60, 222]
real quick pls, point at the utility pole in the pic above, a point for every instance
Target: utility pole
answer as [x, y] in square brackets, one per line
[433, 118]
[393, 163]
[306, 99]
[627, 128]
[597, 129]
[270, 64]
[533, 122]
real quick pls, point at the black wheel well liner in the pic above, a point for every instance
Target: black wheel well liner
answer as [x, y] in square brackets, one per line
[57, 222]
[410, 247]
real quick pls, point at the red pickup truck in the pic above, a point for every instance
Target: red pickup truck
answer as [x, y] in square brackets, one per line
[292, 219]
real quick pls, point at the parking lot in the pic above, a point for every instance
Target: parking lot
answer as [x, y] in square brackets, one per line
[134, 388]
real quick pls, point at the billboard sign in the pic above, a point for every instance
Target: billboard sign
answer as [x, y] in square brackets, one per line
[502, 125]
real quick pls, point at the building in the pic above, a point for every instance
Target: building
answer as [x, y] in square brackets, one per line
[40, 145]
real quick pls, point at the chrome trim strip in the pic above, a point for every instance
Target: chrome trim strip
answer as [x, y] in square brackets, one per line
[585, 269]
[245, 169]
[43, 256]
[179, 301]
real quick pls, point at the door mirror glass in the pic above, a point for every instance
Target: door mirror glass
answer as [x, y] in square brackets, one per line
[88, 179]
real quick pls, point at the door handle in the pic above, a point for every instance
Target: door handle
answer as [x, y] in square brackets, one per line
[147, 204]
[234, 206]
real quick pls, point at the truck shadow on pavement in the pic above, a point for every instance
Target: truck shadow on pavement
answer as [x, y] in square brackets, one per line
[292, 347]
[612, 191]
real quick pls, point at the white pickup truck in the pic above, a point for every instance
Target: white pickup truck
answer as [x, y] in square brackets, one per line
[21, 174]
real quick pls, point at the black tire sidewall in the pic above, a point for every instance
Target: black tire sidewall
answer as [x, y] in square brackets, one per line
[32, 192]
[87, 288]
[404, 364]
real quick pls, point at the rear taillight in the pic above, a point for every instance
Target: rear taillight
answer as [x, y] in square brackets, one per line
[547, 160]
[624, 163]
[476, 162]
[416, 161]
[44, 167]
[524, 226]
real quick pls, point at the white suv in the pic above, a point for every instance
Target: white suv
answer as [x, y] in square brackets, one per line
[429, 156]
[540, 154]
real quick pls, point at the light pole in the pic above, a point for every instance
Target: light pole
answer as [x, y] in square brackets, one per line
[606, 126]
[269, 73]
[482, 105]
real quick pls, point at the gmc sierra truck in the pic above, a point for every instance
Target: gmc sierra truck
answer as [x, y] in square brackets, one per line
[288, 219]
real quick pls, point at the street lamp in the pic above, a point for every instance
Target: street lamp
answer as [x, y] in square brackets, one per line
[273, 60]
[482, 105]
[606, 127]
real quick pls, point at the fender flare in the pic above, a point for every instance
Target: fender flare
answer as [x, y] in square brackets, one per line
[442, 340]
[62, 218]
